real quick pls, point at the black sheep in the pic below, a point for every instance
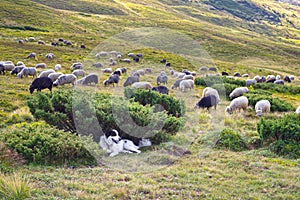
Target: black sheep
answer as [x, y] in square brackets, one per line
[287, 79]
[112, 80]
[225, 74]
[163, 61]
[207, 102]
[40, 84]
[161, 89]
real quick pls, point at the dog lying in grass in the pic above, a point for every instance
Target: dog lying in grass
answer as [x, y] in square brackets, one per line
[113, 144]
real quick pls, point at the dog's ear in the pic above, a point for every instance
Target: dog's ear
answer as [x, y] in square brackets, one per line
[112, 133]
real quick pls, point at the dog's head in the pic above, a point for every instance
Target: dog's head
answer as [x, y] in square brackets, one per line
[112, 137]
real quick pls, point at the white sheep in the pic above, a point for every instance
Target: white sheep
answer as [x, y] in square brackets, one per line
[257, 78]
[208, 91]
[250, 82]
[20, 63]
[162, 79]
[262, 106]
[269, 77]
[141, 72]
[107, 70]
[78, 72]
[30, 71]
[297, 110]
[40, 65]
[181, 75]
[50, 55]
[237, 92]
[8, 66]
[54, 76]
[142, 85]
[176, 84]
[245, 75]
[57, 67]
[77, 65]
[237, 104]
[188, 77]
[64, 79]
[186, 84]
[45, 73]
[278, 77]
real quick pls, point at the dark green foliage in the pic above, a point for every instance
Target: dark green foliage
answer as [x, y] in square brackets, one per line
[209, 81]
[291, 89]
[90, 113]
[284, 131]
[42, 144]
[230, 139]
[170, 104]
[23, 28]
[276, 103]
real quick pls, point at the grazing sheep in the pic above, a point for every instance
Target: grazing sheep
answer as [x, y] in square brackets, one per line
[68, 43]
[54, 44]
[117, 72]
[50, 56]
[140, 55]
[31, 39]
[101, 54]
[237, 104]
[57, 67]
[141, 72]
[148, 70]
[245, 75]
[123, 70]
[237, 92]
[20, 63]
[262, 79]
[41, 42]
[279, 82]
[136, 59]
[64, 79]
[297, 110]
[162, 79]
[168, 64]
[292, 77]
[186, 72]
[45, 73]
[113, 63]
[77, 65]
[211, 91]
[107, 70]
[207, 102]
[30, 71]
[112, 79]
[130, 80]
[225, 74]
[186, 84]
[203, 69]
[82, 46]
[32, 55]
[162, 73]
[78, 72]
[126, 60]
[40, 65]
[176, 84]
[163, 61]
[113, 53]
[278, 77]
[119, 56]
[54, 76]
[271, 77]
[20, 41]
[271, 80]
[8, 66]
[287, 79]
[142, 85]
[89, 79]
[61, 40]
[17, 69]
[237, 74]
[214, 69]
[161, 89]
[180, 75]
[262, 106]
[257, 78]
[40, 84]
[188, 77]
[98, 65]
[250, 82]
[131, 55]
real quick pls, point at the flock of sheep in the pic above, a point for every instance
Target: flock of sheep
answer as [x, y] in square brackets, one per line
[184, 80]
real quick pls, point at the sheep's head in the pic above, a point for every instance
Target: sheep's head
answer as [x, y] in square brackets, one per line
[228, 109]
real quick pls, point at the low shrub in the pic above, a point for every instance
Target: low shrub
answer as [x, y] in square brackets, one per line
[283, 133]
[291, 89]
[225, 89]
[276, 103]
[230, 139]
[40, 143]
[212, 80]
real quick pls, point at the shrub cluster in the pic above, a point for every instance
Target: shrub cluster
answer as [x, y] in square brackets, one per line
[292, 89]
[276, 103]
[90, 113]
[42, 144]
[283, 134]
[209, 81]
[230, 139]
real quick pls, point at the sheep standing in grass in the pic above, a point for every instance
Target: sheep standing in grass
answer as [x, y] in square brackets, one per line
[8, 66]
[89, 79]
[162, 79]
[176, 84]
[65, 79]
[262, 106]
[107, 70]
[57, 67]
[188, 77]
[250, 82]
[112, 79]
[279, 82]
[54, 76]
[130, 80]
[142, 85]
[1, 68]
[77, 65]
[297, 110]
[207, 102]
[40, 65]
[31, 55]
[161, 89]
[45, 73]
[237, 92]
[41, 83]
[186, 84]
[30, 71]
[208, 91]
[17, 69]
[78, 72]
[237, 104]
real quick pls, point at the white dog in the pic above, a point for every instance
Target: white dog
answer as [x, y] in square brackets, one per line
[113, 144]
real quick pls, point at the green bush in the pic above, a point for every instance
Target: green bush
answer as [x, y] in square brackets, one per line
[291, 89]
[283, 132]
[91, 113]
[42, 144]
[225, 89]
[230, 139]
[276, 103]
[170, 104]
[209, 81]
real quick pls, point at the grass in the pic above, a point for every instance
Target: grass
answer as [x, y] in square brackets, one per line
[14, 187]
[231, 45]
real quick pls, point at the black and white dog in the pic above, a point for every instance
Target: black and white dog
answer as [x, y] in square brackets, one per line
[113, 144]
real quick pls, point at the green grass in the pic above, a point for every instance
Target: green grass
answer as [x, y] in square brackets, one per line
[232, 45]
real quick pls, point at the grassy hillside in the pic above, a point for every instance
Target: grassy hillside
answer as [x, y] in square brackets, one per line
[254, 37]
